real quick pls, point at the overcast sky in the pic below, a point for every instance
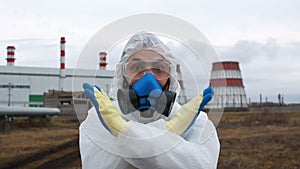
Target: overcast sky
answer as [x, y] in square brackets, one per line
[264, 36]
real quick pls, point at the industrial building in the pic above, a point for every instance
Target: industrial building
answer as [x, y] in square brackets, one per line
[26, 86]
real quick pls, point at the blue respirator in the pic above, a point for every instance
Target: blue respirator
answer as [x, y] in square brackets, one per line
[147, 96]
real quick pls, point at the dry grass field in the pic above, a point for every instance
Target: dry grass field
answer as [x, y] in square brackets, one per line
[248, 141]
[259, 140]
[32, 144]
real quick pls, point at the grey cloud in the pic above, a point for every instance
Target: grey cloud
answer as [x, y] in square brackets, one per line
[291, 50]
[267, 68]
[245, 51]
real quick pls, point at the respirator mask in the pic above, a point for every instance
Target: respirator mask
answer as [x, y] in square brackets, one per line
[146, 92]
[146, 97]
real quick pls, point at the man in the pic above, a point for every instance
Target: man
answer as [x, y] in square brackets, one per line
[146, 127]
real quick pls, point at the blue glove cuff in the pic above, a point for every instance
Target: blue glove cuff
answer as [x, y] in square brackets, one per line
[89, 91]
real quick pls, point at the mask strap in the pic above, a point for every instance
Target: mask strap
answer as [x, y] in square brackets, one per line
[125, 82]
[167, 85]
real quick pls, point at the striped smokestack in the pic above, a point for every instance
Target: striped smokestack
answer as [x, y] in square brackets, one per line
[10, 55]
[102, 63]
[62, 74]
[182, 96]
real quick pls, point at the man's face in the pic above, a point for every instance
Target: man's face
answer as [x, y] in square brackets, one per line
[145, 61]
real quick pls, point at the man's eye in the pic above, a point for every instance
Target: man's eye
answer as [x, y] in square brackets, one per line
[162, 67]
[156, 70]
[139, 68]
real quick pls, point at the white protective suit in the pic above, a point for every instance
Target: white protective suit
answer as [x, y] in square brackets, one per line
[149, 145]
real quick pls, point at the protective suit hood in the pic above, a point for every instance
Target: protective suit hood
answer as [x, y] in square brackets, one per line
[143, 41]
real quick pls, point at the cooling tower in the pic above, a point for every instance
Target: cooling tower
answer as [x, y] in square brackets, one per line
[226, 80]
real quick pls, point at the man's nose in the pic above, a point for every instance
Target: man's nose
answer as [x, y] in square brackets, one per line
[148, 71]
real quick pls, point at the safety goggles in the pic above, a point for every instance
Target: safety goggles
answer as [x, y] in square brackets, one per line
[138, 68]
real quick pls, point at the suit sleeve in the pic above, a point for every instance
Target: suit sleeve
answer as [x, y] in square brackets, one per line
[200, 149]
[148, 146]
[93, 155]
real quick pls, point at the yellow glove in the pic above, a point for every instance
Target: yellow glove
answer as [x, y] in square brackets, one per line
[186, 116]
[106, 111]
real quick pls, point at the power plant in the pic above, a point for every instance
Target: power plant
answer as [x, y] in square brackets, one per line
[26, 86]
[55, 87]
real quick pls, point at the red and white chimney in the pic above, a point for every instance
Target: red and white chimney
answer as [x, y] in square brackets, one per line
[182, 96]
[102, 63]
[62, 74]
[10, 55]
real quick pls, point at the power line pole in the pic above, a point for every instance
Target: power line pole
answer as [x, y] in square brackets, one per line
[9, 94]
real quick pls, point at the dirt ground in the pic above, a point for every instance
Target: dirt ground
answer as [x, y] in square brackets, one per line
[259, 140]
[248, 141]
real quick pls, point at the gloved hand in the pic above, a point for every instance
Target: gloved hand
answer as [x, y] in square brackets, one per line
[188, 113]
[106, 111]
[113, 121]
